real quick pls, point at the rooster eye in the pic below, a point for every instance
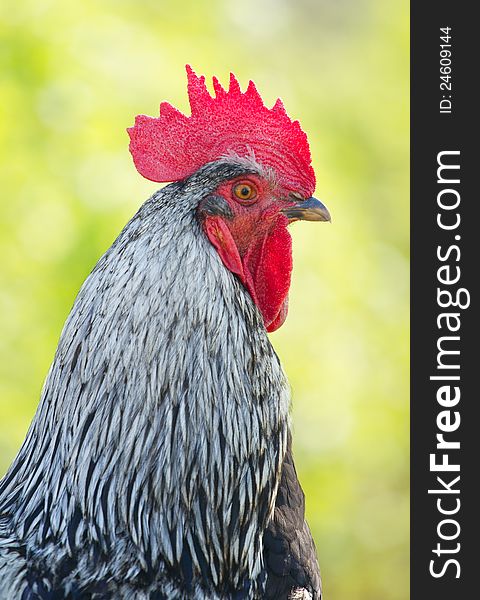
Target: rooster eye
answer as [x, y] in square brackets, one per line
[245, 192]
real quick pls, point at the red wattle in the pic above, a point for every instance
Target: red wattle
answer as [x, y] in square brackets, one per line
[265, 270]
[269, 264]
[280, 320]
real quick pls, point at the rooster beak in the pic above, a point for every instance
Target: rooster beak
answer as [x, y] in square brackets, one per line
[308, 210]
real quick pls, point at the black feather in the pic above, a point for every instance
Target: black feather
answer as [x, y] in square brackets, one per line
[289, 550]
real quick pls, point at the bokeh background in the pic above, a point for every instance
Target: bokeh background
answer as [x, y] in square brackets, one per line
[72, 77]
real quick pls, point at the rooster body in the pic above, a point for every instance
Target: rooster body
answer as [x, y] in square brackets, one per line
[158, 464]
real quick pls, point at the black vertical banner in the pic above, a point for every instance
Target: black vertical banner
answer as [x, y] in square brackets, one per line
[445, 238]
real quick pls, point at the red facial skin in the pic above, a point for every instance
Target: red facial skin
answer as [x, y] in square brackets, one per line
[255, 244]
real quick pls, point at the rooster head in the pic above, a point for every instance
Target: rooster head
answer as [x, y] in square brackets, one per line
[245, 217]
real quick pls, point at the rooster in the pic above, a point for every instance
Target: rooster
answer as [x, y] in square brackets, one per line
[159, 462]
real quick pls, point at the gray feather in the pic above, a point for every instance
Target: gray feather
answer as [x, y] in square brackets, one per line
[161, 428]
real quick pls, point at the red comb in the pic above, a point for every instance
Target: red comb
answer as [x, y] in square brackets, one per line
[173, 146]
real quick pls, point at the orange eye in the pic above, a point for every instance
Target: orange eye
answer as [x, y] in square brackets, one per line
[244, 191]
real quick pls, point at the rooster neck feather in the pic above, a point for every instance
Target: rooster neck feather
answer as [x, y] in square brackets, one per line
[162, 426]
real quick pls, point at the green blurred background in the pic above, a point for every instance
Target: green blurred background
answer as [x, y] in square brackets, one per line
[72, 77]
